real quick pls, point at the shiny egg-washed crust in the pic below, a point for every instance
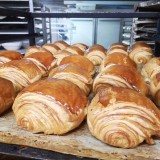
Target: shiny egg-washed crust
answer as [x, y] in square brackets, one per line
[82, 46]
[20, 72]
[74, 50]
[80, 61]
[119, 45]
[117, 58]
[7, 94]
[96, 54]
[52, 48]
[74, 74]
[123, 118]
[140, 53]
[51, 106]
[61, 44]
[120, 76]
[9, 55]
[44, 59]
[33, 49]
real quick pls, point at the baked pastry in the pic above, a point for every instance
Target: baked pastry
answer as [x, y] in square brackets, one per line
[74, 74]
[140, 52]
[120, 76]
[9, 55]
[96, 54]
[20, 72]
[51, 48]
[117, 58]
[150, 69]
[33, 49]
[7, 94]
[43, 60]
[80, 61]
[119, 45]
[82, 46]
[61, 44]
[51, 106]
[123, 118]
[117, 50]
[74, 50]
[61, 54]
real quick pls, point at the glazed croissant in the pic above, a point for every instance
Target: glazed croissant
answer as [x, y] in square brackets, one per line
[7, 94]
[43, 60]
[61, 44]
[117, 50]
[117, 58]
[140, 52]
[20, 72]
[74, 50]
[96, 54]
[123, 118]
[74, 74]
[118, 45]
[82, 46]
[52, 48]
[120, 76]
[80, 61]
[51, 106]
[33, 49]
[6, 56]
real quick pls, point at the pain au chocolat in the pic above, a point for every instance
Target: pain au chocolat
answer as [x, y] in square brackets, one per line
[123, 118]
[50, 106]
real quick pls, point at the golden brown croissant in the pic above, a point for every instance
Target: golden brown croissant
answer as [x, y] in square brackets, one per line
[140, 53]
[96, 54]
[74, 74]
[9, 55]
[82, 46]
[123, 118]
[61, 54]
[74, 50]
[150, 69]
[120, 76]
[80, 61]
[7, 94]
[117, 58]
[33, 49]
[43, 60]
[117, 50]
[20, 72]
[61, 44]
[119, 45]
[51, 48]
[51, 106]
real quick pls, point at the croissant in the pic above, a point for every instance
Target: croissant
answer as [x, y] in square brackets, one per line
[61, 54]
[20, 72]
[51, 48]
[74, 74]
[96, 54]
[74, 50]
[120, 76]
[82, 46]
[150, 69]
[7, 94]
[80, 61]
[117, 58]
[61, 44]
[43, 60]
[9, 55]
[33, 49]
[123, 118]
[140, 53]
[119, 45]
[51, 106]
[117, 50]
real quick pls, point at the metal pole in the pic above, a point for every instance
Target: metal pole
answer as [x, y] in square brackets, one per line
[157, 43]
[95, 27]
[31, 30]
